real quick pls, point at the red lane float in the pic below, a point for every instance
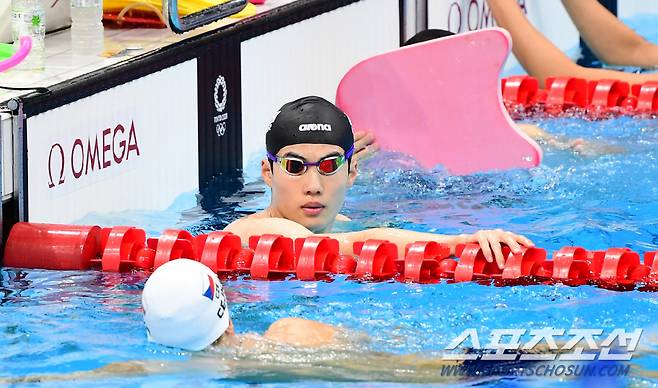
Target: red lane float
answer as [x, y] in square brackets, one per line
[315, 257]
[376, 259]
[270, 257]
[521, 94]
[273, 256]
[218, 250]
[50, 246]
[423, 262]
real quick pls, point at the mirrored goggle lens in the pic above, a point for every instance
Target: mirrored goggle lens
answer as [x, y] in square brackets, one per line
[293, 166]
[330, 165]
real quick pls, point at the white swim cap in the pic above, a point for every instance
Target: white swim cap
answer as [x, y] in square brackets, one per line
[184, 305]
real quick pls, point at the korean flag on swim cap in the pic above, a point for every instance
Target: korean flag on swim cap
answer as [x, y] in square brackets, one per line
[184, 305]
[312, 120]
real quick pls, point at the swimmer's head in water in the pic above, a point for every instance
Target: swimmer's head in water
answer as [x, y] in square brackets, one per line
[311, 120]
[184, 305]
[426, 35]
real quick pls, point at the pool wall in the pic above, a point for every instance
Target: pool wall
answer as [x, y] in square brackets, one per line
[167, 122]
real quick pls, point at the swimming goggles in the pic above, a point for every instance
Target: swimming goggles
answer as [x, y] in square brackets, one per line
[326, 166]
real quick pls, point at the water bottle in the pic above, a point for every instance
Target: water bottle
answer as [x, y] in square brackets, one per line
[28, 17]
[87, 27]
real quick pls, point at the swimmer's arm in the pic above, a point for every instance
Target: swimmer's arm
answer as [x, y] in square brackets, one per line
[365, 146]
[130, 369]
[246, 227]
[539, 134]
[578, 145]
[251, 226]
[115, 369]
[611, 40]
[489, 240]
[539, 57]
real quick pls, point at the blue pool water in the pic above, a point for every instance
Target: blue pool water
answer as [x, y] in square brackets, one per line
[55, 324]
[63, 322]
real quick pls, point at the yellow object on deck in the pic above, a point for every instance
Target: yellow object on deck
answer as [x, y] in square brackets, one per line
[185, 7]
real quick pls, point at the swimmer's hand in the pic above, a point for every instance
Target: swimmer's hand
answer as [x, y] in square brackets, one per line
[579, 146]
[490, 241]
[364, 145]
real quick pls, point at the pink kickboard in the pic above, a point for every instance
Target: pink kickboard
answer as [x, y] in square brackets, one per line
[440, 102]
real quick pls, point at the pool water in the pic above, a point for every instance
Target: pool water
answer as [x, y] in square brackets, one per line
[57, 325]
[65, 322]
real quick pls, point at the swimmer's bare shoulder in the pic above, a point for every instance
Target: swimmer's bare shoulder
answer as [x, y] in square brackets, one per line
[261, 223]
[301, 332]
[264, 214]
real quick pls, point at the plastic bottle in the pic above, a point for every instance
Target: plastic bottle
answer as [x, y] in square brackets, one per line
[87, 27]
[28, 17]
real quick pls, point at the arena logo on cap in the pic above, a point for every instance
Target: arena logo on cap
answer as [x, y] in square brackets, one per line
[315, 127]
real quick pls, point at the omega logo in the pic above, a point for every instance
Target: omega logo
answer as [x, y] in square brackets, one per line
[105, 149]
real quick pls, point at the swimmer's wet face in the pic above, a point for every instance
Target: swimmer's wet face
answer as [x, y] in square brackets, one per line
[296, 165]
[309, 132]
[311, 199]
[228, 339]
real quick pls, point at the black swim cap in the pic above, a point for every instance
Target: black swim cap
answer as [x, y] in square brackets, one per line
[426, 35]
[310, 119]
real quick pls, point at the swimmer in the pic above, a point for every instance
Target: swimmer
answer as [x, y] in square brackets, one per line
[578, 145]
[186, 294]
[609, 38]
[310, 164]
[185, 308]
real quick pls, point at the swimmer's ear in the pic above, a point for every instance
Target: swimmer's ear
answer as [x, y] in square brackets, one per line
[354, 171]
[266, 172]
